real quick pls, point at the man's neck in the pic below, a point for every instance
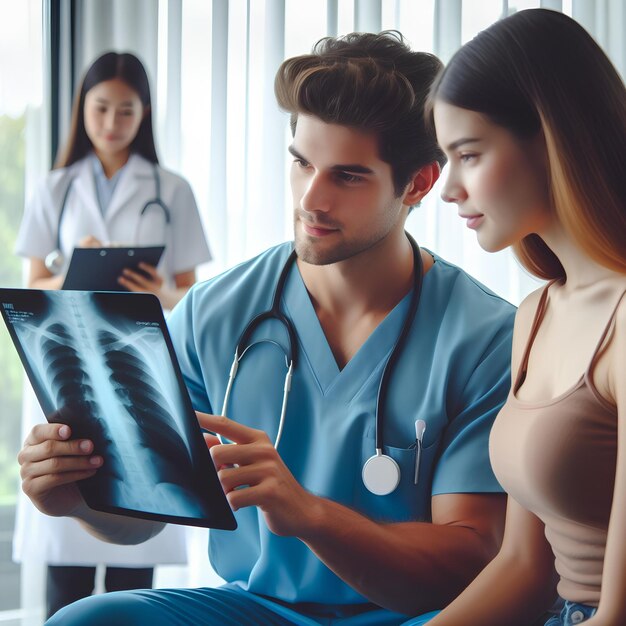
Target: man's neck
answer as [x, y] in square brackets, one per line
[376, 279]
[352, 297]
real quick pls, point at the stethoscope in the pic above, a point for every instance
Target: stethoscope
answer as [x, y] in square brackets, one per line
[381, 473]
[55, 260]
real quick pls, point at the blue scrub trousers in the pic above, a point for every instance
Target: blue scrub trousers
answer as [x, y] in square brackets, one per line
[208, 607]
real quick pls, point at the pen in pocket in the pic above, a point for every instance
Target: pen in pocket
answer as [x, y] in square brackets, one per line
[420, 428]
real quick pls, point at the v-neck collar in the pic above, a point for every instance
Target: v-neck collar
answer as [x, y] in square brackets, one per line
[369, 359]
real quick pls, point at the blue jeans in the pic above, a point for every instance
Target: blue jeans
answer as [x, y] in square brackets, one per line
[572, 614]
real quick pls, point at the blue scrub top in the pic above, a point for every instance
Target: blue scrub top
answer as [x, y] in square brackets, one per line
[453, 373]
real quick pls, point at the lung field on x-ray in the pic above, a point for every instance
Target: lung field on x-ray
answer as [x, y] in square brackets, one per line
[140, 396]
[73, 393]
[110, 378]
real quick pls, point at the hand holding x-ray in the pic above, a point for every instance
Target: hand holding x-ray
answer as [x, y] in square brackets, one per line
[51, 464]
[103, 366]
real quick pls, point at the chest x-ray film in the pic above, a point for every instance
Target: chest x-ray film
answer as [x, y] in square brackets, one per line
[103, 363]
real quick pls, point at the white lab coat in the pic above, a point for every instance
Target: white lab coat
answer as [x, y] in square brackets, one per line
[185, 244]
[61, 540]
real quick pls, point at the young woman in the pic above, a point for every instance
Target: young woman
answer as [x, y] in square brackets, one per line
[532, 117]
[107, 188]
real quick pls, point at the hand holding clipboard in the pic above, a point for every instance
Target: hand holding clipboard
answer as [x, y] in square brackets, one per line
[98, 269]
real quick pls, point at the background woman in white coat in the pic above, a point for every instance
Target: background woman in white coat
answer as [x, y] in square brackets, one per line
[106, 188]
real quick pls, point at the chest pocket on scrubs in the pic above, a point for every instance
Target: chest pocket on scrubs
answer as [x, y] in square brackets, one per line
[407, 494]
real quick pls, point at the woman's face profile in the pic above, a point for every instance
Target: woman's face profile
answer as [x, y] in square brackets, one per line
[113, 113]
[498, 181]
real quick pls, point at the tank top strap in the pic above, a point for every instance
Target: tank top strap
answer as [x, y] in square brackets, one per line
[605, 337]
[539, 313]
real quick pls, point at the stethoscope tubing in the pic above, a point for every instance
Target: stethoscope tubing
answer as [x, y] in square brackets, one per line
[291, 357]
[157, 201]
[383, 388]
[274, 312]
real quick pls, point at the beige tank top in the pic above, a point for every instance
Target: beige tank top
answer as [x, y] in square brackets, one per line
[558, 459]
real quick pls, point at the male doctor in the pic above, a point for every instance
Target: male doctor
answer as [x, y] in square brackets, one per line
[315, 543]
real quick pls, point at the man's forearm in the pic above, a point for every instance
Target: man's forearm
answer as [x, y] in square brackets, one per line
[410, 567]
[116, 528]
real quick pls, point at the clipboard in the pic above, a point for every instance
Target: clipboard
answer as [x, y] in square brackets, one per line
[98, 269]
[104, 363]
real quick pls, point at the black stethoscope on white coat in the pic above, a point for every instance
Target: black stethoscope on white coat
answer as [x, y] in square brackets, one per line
[54, 261]
[381, 473]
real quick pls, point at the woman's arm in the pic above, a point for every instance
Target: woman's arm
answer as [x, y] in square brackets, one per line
[612, 606]
[183, 282]
[517, 587]
[39, 277]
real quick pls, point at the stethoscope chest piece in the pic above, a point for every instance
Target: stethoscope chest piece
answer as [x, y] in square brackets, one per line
[381, 474]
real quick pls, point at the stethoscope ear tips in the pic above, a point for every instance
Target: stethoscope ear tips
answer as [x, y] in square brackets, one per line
[54, 262]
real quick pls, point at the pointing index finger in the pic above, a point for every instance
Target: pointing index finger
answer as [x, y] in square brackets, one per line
[227, 428]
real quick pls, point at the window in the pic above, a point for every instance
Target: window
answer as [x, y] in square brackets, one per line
[20, 111]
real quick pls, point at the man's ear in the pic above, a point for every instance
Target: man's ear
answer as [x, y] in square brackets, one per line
[421, 183]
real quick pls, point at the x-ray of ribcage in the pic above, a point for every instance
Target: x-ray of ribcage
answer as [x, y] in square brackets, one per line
[110, 379]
